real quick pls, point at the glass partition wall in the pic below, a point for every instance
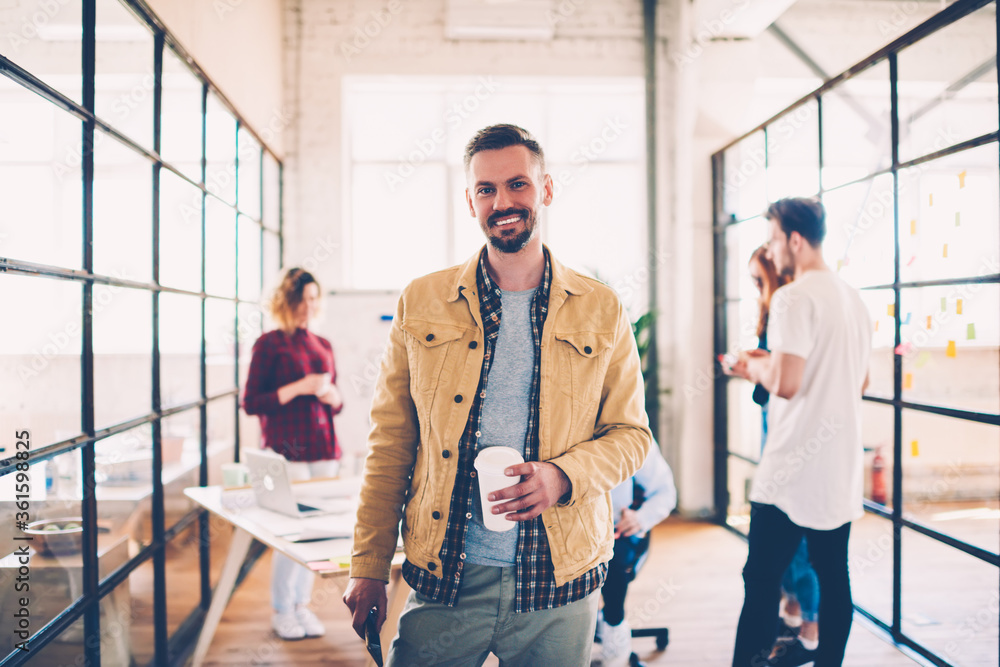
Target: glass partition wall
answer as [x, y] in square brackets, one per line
[138, 216]
[902, 149]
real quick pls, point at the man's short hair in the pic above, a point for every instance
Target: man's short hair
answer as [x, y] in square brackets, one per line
[500, 136]
[800, 214]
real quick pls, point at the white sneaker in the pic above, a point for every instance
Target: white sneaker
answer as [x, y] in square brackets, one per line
[312, 626]
[616, 644]
[287, 626]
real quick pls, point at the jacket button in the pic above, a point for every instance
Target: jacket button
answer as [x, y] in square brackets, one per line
[431, 566]
[585, 349]
[436, 514]
[430, 337]
[458, 399]
[473, 345]
[445, 453]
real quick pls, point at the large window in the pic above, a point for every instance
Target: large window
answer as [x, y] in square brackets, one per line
[139, 216]
[407, 181]
[904, 154]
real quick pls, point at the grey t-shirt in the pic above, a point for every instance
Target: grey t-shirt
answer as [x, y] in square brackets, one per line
[504, 418]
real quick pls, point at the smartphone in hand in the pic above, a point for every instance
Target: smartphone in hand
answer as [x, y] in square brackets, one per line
[372, 640]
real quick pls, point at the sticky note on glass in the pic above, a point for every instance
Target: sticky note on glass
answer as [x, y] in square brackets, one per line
[970, 332]
[913, 227]
[944, 304]
[912, 260]
[892, 310]
[876, 325]
[914, 448]
[944, 252]
[840, 264]
[908, 381]
[951, 351]
[958, 218]
[907, 319]
[958, 306]
[930, 200]
[930, 321]
[923, 358]
[904, 348]
[961, 180]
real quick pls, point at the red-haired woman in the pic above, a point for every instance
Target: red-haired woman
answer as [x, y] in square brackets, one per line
[290, 386]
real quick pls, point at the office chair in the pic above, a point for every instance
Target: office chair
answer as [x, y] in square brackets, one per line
[630, 555]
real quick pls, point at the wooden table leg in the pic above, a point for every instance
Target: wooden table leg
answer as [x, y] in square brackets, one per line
[227, 581]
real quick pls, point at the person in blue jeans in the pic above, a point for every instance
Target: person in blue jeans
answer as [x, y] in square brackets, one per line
[638, 504]
[809, 480]
[799, 635]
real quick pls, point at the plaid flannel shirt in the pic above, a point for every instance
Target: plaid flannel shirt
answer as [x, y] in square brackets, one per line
[302, 429]
[535, 586]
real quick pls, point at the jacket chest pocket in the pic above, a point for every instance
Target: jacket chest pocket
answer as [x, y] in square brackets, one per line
[582, 360]
[431, 348]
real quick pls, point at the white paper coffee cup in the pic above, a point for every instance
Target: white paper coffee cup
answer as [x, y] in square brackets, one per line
[490, 464]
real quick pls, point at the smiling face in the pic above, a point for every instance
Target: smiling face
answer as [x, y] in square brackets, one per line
[506, 190]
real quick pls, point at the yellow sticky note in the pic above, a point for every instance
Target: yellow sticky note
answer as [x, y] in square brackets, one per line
[961, 180]
[944, 253]
[840, 264]
[923, 358]
[929, 321]
[958, 218]
[876, 325]
[913, 227]
[908, 381]
[970, 331]
[958, 306]
[930, 200]
[951, 352]
[914, 448]
[892, 310]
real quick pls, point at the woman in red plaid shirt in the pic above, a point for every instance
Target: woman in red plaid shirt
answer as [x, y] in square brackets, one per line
[290, 386]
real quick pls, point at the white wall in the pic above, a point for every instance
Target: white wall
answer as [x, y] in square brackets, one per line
[239, 45]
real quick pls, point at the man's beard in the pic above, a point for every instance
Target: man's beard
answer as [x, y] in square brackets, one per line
[511, 243]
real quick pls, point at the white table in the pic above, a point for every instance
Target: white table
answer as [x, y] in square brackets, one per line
[328, 558]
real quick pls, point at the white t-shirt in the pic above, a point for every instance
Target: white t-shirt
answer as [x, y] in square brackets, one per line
[811, 468]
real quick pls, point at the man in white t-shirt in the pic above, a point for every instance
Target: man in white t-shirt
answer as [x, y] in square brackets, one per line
[809, 481]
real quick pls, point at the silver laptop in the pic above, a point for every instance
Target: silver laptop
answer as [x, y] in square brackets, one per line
[273, 489]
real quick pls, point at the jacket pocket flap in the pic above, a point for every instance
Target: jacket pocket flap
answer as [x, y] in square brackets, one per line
[587, 343]
[432, 334]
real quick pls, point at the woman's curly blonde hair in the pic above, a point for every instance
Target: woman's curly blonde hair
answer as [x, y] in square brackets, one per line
[288, 295]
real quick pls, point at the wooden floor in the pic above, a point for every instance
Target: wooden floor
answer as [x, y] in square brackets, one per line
[691, 583]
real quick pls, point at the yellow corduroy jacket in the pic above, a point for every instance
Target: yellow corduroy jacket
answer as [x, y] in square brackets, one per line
[592, 421]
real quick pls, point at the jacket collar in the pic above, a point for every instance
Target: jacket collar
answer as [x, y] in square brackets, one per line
[564, 280]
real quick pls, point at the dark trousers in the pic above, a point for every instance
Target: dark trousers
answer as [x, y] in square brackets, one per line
[773, 541]
[629, 552]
